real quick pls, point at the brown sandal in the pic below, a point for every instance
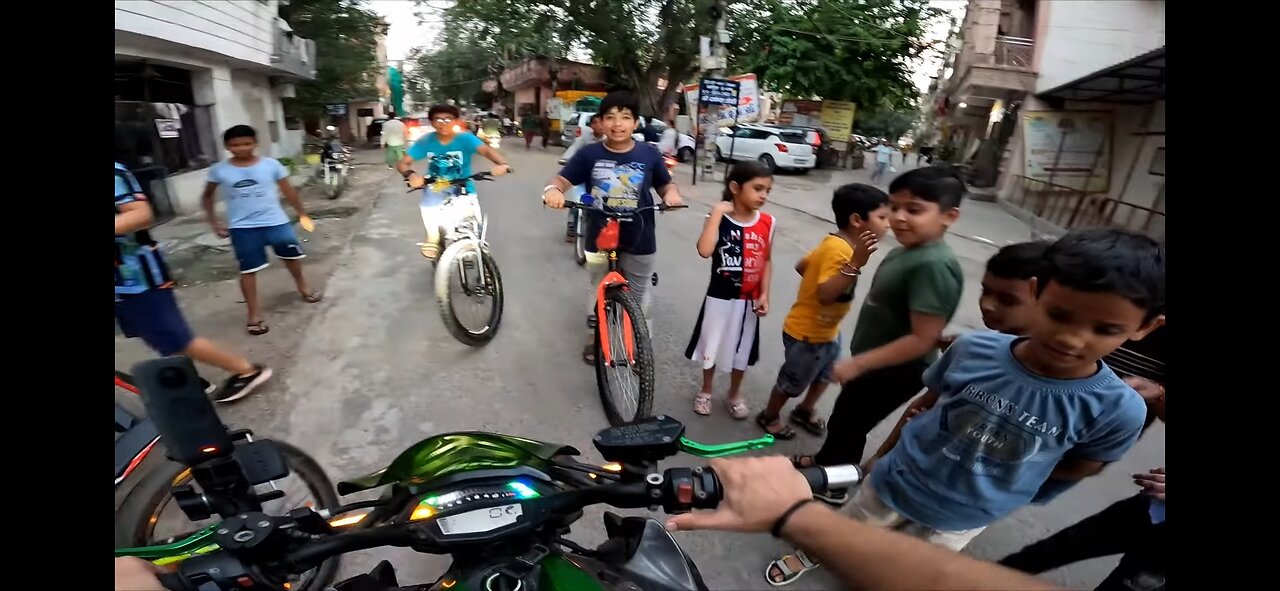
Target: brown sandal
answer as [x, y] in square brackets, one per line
[808, 421]
[785, 433]
[312, 297]
[258, 328]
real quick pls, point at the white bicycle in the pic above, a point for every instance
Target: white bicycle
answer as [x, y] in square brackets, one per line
[467, 282]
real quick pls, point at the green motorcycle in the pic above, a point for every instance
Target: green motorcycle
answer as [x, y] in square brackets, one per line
[500, 505]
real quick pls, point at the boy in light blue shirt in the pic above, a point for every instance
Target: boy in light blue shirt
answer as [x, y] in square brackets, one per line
[1005, 413]
[252, 186]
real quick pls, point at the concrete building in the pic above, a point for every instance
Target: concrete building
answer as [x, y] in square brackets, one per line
[185, 71]
[1058, 105]
[530, 81]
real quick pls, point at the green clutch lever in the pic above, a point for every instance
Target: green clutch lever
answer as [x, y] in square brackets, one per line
[705, 450]
[193, 544]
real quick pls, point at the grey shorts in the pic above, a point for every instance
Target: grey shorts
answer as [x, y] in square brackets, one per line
[805, 364]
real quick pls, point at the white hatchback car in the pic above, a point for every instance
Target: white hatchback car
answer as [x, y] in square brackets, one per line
[774, 147]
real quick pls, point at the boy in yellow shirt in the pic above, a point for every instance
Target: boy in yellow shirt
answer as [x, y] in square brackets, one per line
[811, 332]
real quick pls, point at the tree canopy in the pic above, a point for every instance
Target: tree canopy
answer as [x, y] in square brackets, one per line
[636, 42]
[345, 33]
[851, 50]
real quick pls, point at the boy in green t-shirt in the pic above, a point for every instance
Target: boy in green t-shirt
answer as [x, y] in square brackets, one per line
[913, 295]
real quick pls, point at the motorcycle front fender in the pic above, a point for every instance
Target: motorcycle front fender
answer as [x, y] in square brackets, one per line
[643, 551]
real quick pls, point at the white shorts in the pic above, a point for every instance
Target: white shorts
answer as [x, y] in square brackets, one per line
[444, 217]
[867, 507]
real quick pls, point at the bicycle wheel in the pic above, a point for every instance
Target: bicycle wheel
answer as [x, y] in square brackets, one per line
[149, 516]
[580, 242]
[469, 292]
[625, 384]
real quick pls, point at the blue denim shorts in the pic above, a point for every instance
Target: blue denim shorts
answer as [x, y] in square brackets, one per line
[805, 364]
[153, 316]
[250, 245]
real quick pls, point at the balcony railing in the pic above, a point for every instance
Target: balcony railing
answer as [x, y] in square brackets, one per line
[294, 55]
[1069, 208]
[1014, 52]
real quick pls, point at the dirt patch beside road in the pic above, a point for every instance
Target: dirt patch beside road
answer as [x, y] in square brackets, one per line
[209, 292]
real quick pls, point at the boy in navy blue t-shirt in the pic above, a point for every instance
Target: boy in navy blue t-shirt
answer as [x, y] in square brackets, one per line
[1003, 413]
[621, 174]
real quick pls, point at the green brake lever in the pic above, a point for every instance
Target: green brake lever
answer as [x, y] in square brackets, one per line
[704, 450]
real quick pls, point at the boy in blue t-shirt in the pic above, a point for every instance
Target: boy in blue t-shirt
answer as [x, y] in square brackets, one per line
[448, 153]
[621, 174]
[252, 186]
[1003, 414]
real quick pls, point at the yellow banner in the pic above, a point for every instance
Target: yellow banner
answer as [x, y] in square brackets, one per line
[837, 119]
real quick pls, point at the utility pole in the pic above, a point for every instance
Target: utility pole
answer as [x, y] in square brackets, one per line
[713, 66]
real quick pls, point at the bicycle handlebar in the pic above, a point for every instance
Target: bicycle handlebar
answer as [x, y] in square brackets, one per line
[676, 490]
[479, 176]
[620, 215]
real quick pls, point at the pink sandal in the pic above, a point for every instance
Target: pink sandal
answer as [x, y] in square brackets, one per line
[737, 408]
[702, 403]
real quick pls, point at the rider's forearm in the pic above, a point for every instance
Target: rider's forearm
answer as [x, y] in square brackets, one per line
[403, 165]
[866, 557]
[669, 190]
[492, 155]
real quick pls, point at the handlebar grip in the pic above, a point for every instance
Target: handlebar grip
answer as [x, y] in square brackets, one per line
[824, 478]
[173, 582]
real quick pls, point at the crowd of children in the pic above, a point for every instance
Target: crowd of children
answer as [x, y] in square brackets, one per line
[997, 419]
[1000, 418]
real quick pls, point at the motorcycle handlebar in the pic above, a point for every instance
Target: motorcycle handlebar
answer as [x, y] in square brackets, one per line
[677, 490]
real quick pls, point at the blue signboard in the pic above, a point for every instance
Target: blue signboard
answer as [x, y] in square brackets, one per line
[716, 91]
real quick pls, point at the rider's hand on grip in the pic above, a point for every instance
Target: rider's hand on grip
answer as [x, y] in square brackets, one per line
[553, 198]
[500, 170]
[756, 491]
[416, 181]
[136, 574]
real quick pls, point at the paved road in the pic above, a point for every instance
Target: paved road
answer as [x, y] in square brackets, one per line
[375, 371]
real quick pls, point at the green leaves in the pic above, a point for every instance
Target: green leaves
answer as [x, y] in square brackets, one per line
[346, 51]
[851, 50]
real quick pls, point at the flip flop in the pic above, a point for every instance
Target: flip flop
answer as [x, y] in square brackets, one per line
[789, 575]
[312, 297]
[258, 328]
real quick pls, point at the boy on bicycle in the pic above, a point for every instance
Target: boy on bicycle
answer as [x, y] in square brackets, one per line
[620, 174]
[448, 154]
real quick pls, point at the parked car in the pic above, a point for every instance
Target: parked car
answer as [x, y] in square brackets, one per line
[774, 147]
[569, 127]
[818, 137]
[685, 144]
[373, 134]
